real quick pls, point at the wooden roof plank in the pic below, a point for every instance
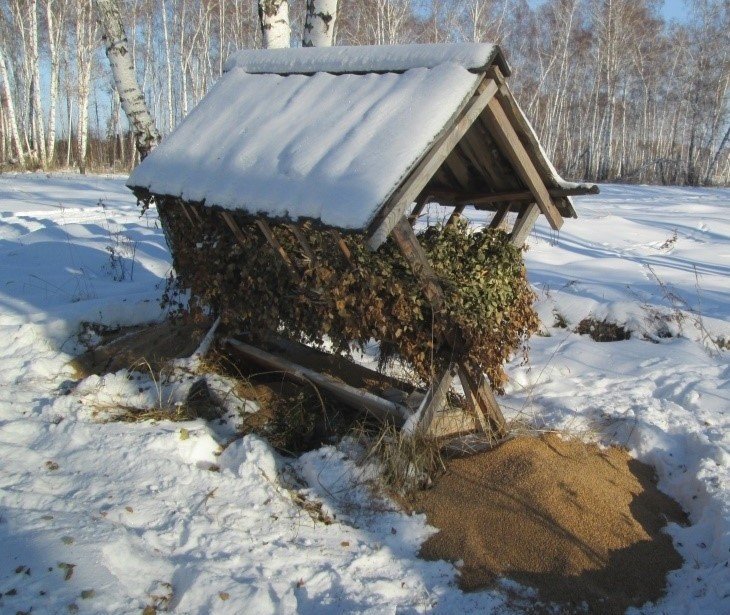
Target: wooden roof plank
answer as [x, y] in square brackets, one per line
[458, 169]
[474, 145]
[504, 133]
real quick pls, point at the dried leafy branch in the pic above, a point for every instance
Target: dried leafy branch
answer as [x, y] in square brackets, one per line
[364, 295]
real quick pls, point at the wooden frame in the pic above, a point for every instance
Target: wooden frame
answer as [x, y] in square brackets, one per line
[486, 156]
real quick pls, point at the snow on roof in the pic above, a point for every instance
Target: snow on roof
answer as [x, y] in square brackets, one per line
[327, 147]
[365, 59]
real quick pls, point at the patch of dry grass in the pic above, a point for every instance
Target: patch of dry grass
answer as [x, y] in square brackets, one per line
[407, 462]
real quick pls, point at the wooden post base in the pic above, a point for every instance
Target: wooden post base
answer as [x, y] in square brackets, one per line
[436, 419]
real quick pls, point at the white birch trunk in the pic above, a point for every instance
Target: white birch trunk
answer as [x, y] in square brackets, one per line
[125, 80]
[274, 22]
[319, 25]
[5, 147]
[86, 32]
[168, 68]
[55, 31]
[69, 121]
[22, 72]
[83, 122]
[38, 127]
[7, 102]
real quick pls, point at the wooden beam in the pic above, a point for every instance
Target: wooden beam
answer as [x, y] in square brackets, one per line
[187, 213]
[435, 401]
[342, 245]
[472, 403]
[235, 229]
[475, 385]
[274, 243]
[357, 398]
[393, 211]
[268, 234]
[302, 240]
[481, 395]
[525, 221]
[196, 213]
[500, 215]
[479, 146]
[416, 258]
[476, 199]
[504, 133]
[458, 210]
[458, 169]
[420, 205]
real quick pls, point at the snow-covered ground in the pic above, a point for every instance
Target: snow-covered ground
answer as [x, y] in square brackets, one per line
[108, 517]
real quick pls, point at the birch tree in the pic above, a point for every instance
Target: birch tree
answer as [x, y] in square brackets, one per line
[125, 80]
[274, 22]
[86, 32]
[614, 92]
[55, 29]
[37, 119]
[9, 109]
[320, 23]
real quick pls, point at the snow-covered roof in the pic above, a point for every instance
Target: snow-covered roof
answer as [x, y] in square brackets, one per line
[368, 59]
[330, 134]
[328, 147]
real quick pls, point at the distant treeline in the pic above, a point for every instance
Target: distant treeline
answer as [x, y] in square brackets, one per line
[614, 92]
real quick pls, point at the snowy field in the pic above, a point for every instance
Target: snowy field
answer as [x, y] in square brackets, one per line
[109, 517]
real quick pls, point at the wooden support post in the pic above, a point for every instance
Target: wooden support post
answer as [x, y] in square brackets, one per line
[420, 204]
[503, 132]
[458, 210]
[472, 402]
[480, 394]
[485, 406]
[500, 215]
[524, 224]
[434, 402]
[416, 258]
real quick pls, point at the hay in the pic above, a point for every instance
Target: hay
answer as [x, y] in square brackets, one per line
[578, 523]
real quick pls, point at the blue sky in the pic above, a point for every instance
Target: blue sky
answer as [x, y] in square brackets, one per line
[674, 9]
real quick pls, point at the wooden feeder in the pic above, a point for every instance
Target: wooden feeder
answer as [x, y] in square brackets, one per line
[359, 140]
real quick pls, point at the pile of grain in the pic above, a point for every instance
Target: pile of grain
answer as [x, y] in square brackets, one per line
[578, 523]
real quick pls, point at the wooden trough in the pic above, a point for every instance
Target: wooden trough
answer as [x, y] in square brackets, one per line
[360, 140]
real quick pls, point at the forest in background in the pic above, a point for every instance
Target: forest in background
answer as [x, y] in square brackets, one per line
[615, 93]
